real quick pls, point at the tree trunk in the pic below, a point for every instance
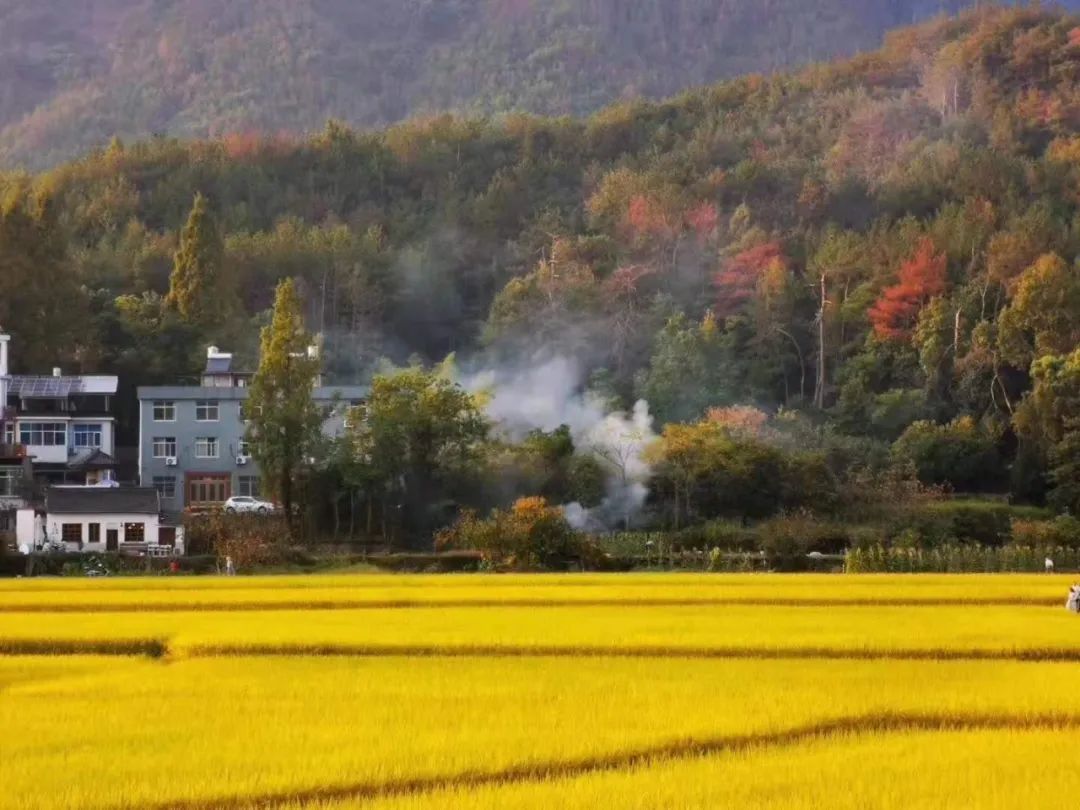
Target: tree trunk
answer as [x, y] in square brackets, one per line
[819, 392]
[802, 362]
[287, 501]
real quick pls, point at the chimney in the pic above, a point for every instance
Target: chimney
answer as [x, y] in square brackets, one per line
[212, 351]
[56, 371]
[4, 340]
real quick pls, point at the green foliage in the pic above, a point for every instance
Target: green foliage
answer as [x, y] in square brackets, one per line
[199, 288]
[40, 299]
[959, 559]
[961, 454]
[686, 373]
[727, 246]
[284, 420]
[416, 439]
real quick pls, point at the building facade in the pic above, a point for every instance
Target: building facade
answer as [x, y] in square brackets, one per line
[54, 429]
[191, 438]
[89, 519]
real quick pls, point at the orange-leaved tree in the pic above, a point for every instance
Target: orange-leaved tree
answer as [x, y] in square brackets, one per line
[922, 277]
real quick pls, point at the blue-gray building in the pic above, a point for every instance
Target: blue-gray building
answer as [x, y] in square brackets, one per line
[191, 437]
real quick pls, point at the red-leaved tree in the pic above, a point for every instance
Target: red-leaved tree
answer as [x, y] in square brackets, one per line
[739, 279]
[921, 278]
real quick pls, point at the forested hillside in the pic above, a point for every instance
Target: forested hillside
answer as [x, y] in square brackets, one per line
[74, 74]
[885, 245]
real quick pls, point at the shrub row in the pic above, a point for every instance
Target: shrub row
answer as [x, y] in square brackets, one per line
[960, 559]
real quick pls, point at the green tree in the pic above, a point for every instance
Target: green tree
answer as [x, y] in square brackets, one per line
[689, 366]
[284, 420]
[1044, 315]
[198, 287]
[41, 303]
[960, 453]
[418, 434]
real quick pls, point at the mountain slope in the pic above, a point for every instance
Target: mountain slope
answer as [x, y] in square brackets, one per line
[74, 74]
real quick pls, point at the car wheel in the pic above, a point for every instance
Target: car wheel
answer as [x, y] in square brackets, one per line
[230, 510]
[263, 510]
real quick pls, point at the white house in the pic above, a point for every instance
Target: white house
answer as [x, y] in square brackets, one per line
[88, 518]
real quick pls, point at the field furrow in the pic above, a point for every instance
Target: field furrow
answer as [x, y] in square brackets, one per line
[202, 733]
[984, 769]
[887, 632]
[605, 702]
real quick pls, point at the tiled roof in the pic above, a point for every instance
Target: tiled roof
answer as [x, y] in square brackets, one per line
[102, 501]
[90, 458]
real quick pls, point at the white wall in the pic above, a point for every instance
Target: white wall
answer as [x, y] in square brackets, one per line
[28, 529]
[54, 528]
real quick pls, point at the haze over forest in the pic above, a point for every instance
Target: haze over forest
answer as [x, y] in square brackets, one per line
[74, 74]
[884, 246]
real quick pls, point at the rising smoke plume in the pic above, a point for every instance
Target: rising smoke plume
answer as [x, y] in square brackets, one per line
[550, 393]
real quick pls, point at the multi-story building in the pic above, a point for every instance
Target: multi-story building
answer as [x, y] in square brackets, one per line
[191, 437]
[54, 429]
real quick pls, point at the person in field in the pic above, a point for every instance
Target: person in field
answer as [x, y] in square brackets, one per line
[1072, 604]
[1049, 566]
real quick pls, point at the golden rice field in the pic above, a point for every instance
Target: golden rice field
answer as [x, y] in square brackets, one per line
[624, 691]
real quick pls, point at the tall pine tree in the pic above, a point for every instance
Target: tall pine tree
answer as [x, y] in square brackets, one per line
[199, 288]
[284, 419]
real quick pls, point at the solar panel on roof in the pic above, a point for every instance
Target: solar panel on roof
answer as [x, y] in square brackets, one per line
[31, 387]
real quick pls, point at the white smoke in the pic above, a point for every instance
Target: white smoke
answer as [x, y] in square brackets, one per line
[549, 394]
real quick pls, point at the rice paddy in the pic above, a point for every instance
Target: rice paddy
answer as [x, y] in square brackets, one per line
[583, 691]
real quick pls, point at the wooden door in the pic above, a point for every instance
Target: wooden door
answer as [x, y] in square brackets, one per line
[112, 539]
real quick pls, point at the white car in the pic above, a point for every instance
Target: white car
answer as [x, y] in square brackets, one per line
[245, 503]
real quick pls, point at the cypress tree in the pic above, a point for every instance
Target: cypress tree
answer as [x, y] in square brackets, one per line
[197, 287]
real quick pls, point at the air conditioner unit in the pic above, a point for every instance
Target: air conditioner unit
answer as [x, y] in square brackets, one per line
[170, 461]
[242, 460]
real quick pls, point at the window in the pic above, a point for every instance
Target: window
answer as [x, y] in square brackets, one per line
[93, 532]
[248, 485]
[43, 434]
[164, 447]
[9, 431]
[164, 411]
[84, 436]
[165, 485]
[206, 447]
[9, 483]
[207, 490]
[134, 532]
[206, 411]
[243, 448]
[71, 533]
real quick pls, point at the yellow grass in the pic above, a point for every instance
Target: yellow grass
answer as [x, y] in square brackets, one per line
[807, 693]
[345, 591]
[935, 632]
[139, 732]
[997, 770]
